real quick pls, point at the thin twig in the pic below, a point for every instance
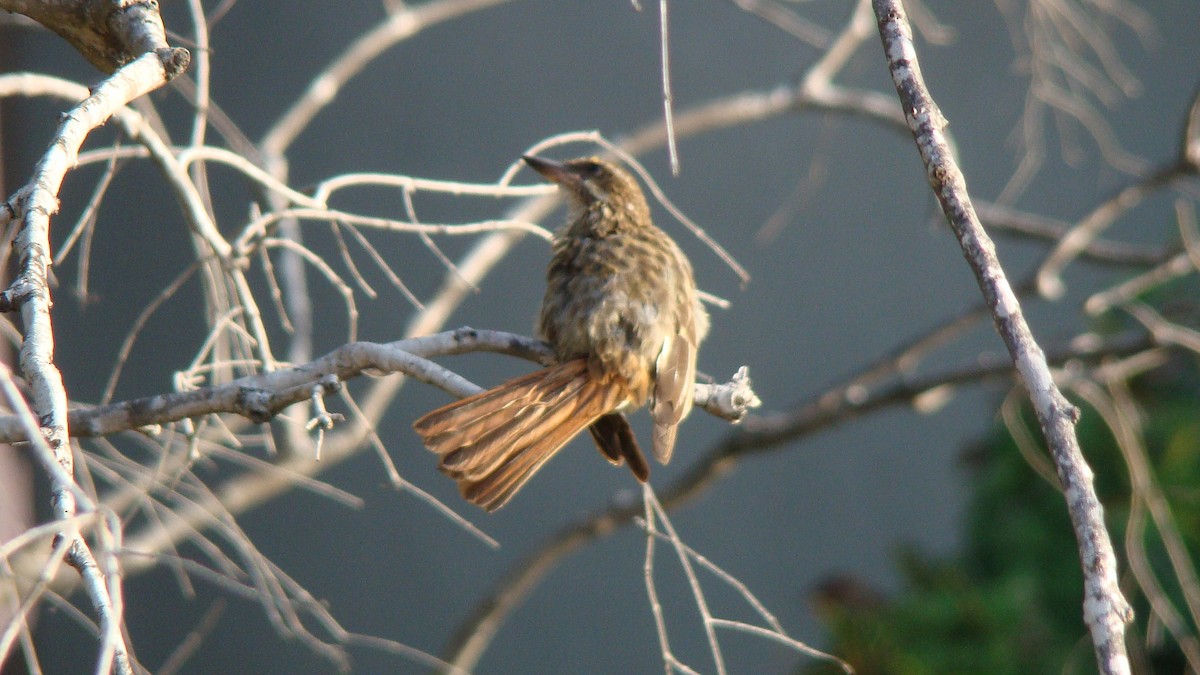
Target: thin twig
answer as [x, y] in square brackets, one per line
[655, 510]
[668, 97]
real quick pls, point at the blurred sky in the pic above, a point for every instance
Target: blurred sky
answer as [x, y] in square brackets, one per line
[862, 264]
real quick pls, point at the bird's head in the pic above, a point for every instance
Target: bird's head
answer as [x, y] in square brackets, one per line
[595, 185]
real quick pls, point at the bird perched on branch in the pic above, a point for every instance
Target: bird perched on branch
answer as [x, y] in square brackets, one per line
[622, 313]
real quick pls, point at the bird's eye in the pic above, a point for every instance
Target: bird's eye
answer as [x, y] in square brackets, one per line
[590, 169]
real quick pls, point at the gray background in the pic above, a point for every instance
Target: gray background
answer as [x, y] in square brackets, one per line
[862, 265]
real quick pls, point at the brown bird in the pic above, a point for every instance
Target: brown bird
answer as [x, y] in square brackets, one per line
[623, 316]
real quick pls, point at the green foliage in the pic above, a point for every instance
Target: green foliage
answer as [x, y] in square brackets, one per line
[1011, 600]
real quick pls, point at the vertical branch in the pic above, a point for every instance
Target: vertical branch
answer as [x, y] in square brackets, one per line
[30, 293]
[1104, 609]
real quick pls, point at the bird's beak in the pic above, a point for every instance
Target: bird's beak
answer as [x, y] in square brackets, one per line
[555, 172]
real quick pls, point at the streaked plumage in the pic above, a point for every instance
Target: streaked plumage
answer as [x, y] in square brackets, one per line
[622, 313]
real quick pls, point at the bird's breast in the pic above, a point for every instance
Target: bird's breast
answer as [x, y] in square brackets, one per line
[611, 299]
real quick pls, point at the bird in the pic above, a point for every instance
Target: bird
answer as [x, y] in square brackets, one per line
[623, 316]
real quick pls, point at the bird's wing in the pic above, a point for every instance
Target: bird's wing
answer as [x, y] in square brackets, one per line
[674, 377]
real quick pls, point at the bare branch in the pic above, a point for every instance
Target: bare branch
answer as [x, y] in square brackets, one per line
[1075, 241]
[261, 397]
[109, 34]
[1116, 409]
[1105, 610]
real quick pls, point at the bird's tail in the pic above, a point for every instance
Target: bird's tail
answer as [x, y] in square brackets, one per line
[493, 442]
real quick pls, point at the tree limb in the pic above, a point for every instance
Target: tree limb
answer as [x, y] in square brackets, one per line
[260, 397]
[1105, 609]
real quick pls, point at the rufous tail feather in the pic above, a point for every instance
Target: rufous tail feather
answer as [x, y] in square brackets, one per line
[493, 442]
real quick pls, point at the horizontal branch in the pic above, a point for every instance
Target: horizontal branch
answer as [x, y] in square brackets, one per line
[260, 397]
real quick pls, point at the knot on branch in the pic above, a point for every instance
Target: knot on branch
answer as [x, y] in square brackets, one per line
[1071, 412]
[327, 385]
[255, 404]
[110, 34]
[175, 60]
[15, 295]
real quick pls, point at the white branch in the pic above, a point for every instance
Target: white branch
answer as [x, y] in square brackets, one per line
[30, 293]
[1105, 609]
[260, 397]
